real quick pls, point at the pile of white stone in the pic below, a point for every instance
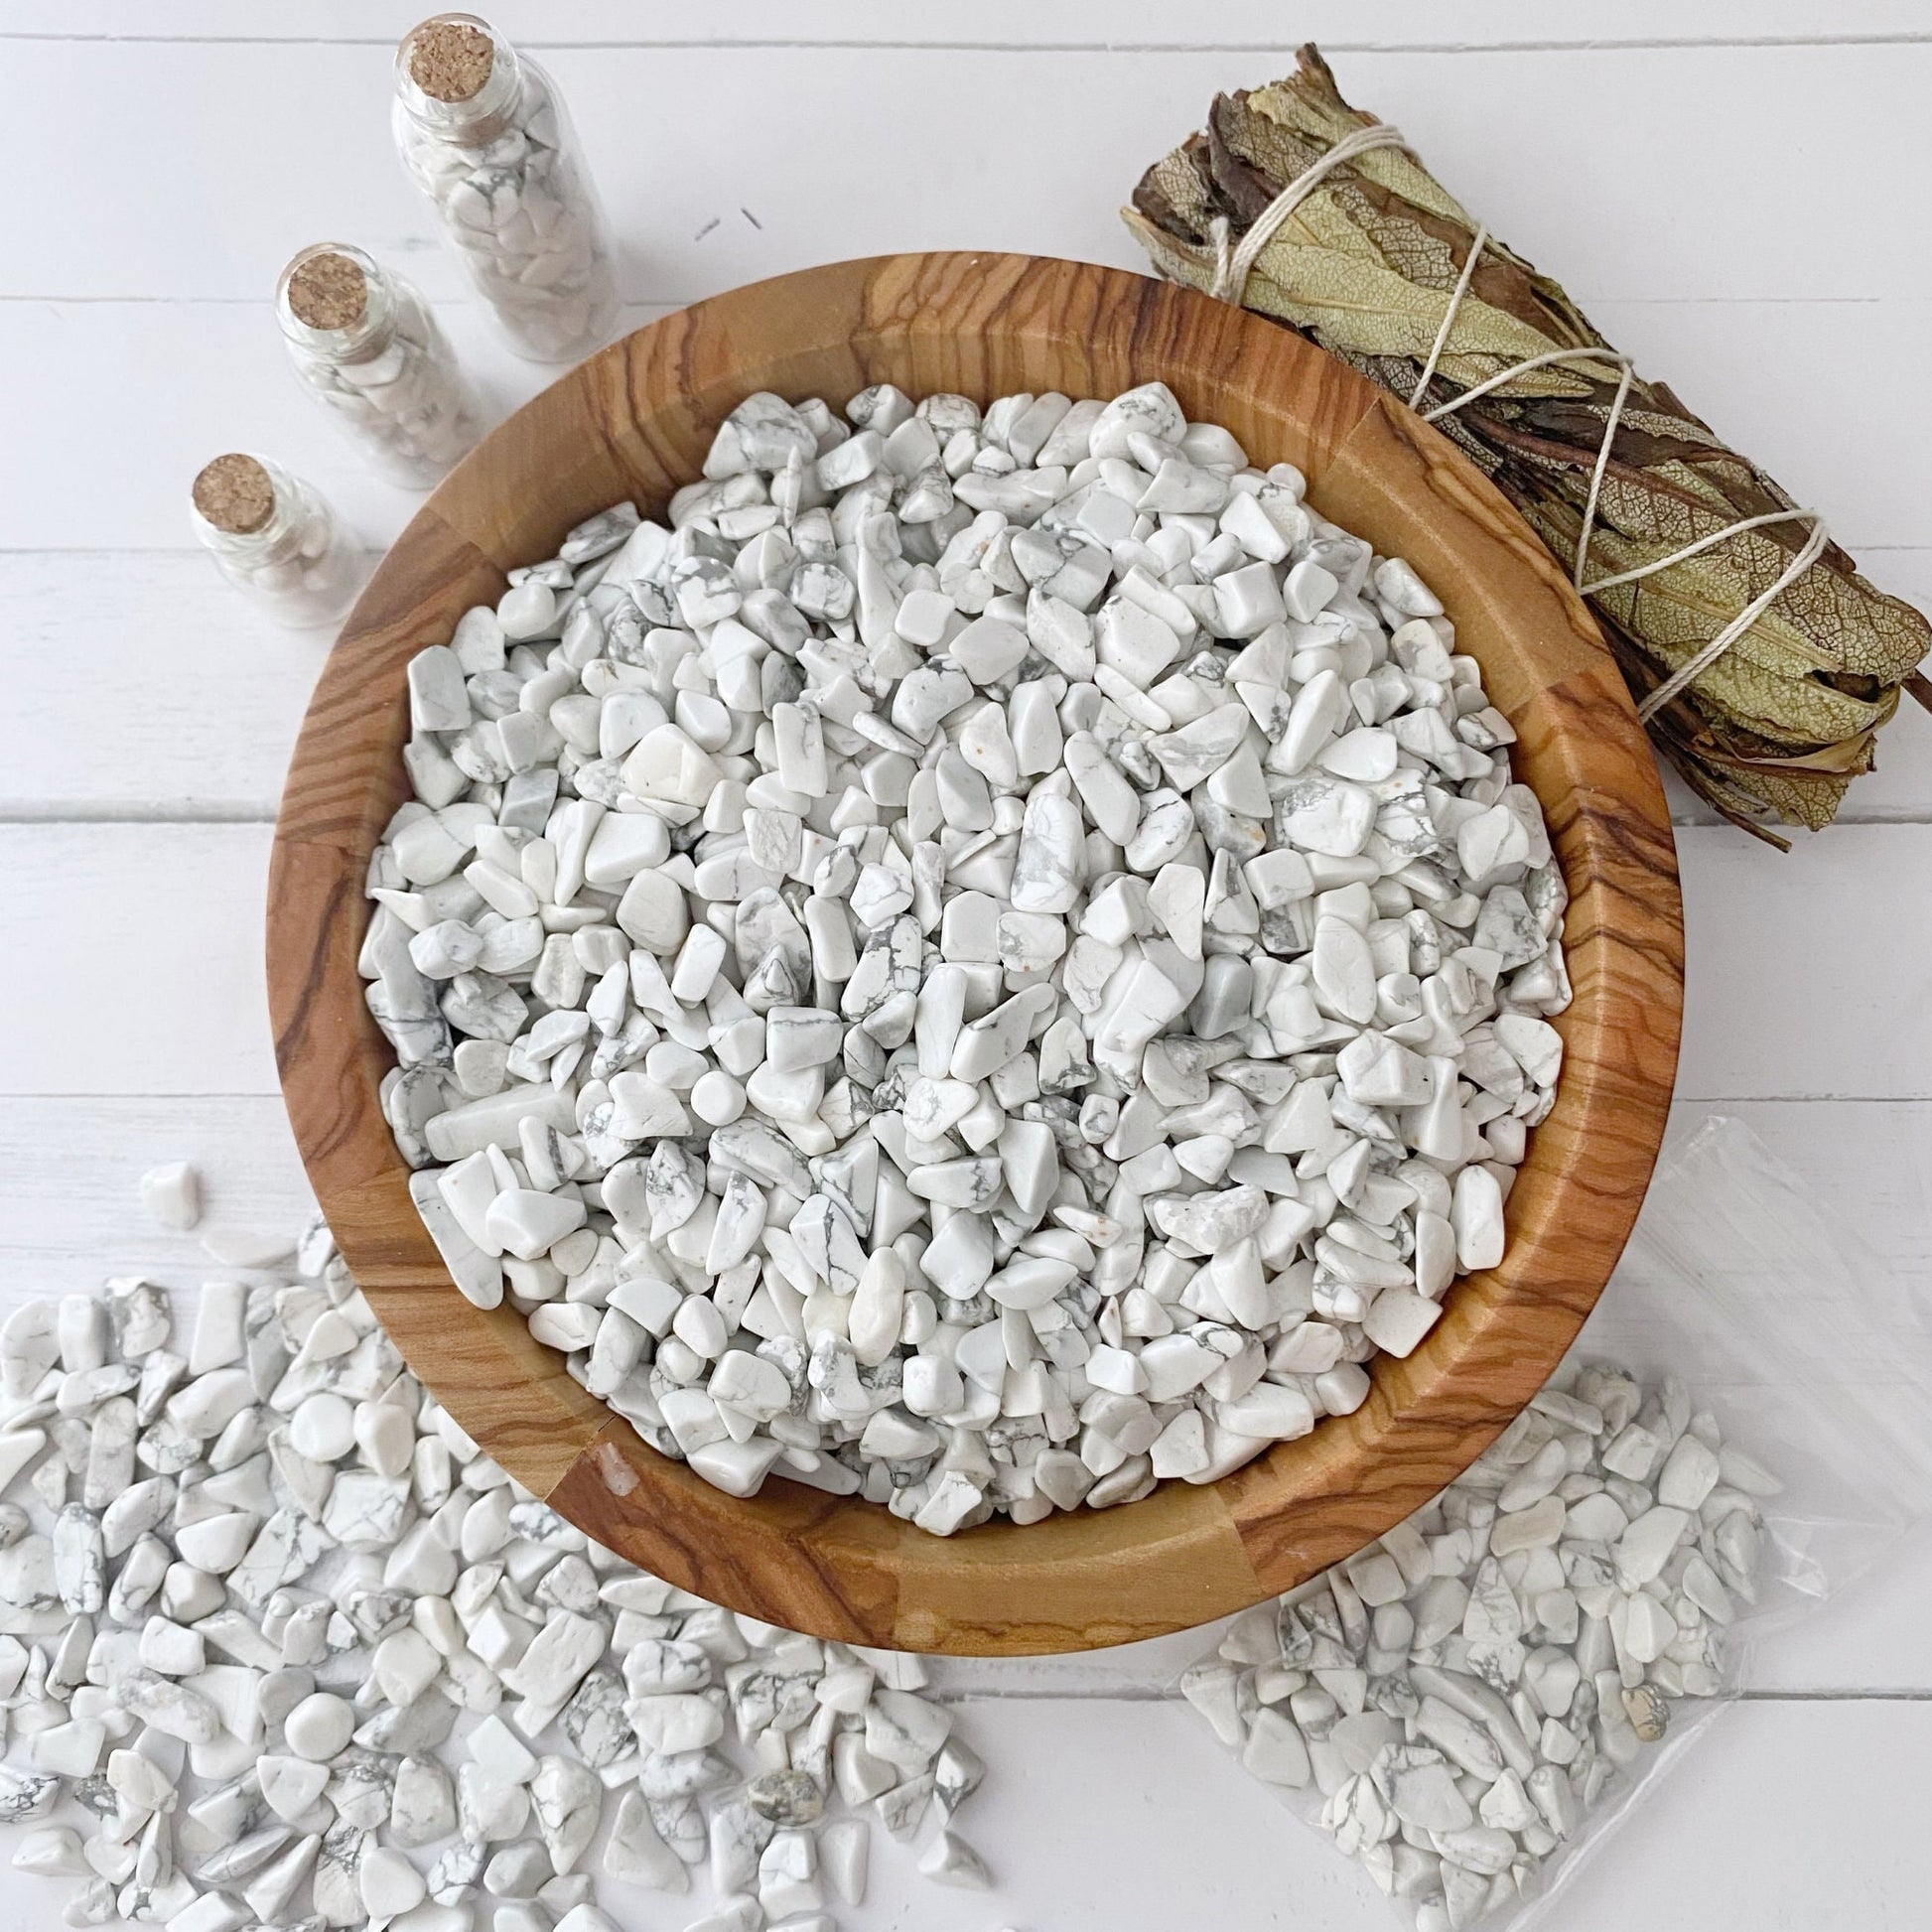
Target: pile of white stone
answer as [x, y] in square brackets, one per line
[996, 960]
[279, 1647]
[518, 207]
[1459, 1695]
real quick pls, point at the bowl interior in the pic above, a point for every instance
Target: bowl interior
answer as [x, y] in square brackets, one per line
[635, 421]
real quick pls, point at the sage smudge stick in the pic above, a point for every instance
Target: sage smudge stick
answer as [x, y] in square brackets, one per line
[1372, 263]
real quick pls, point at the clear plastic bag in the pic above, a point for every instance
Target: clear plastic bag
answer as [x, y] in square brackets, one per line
[1768, 1317]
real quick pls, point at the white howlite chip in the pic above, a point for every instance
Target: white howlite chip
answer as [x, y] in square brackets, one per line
[304, 1655]
[247, 1247]
[923, 971]
[171, 1195]
[1454, 1701]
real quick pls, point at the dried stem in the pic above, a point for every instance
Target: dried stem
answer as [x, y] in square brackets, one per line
[1366, 267]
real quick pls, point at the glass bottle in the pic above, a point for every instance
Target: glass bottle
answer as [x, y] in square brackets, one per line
[364, 342]
[484, 133]
[274, 537]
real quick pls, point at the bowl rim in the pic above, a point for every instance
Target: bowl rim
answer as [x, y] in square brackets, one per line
[839, 1567]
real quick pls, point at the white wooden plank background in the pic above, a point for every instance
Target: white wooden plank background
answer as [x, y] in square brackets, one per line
[1735, 194]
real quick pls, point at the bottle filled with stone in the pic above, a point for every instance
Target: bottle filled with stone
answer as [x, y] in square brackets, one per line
[364, 342]
[1031, 927]
[275, 537]
[484, 133]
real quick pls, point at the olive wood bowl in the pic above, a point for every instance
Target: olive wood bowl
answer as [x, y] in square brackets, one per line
[635, 421]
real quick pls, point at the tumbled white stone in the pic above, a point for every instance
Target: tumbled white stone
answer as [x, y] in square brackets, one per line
[319, 1726]
[876, 877]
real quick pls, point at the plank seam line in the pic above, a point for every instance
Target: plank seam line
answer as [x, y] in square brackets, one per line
[1803, 1100]
[372, 551]
[1770, 42]
[1876, 815]
[180, 1094]
[1800, 1099]
[664, 304]
[162, 812]
[1078, 1694]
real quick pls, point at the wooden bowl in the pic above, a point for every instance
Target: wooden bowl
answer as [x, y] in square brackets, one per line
[635, 421]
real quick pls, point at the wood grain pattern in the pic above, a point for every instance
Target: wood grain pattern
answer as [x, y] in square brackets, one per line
[635, 421]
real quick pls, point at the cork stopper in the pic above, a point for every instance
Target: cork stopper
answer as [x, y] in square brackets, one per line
[450, 61]
[234, 494]
[329, 292]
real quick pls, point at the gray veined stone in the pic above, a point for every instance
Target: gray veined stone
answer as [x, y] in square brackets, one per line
[1053, 787]
[1477, 1681]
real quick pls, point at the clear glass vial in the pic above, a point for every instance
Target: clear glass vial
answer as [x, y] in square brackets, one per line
[363, 343]
[484, 133]
[274, 537]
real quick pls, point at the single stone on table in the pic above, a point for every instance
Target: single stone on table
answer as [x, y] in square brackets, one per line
[950, 1860]
[171, 1195]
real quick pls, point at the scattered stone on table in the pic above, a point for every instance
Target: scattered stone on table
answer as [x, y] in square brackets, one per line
[279, 1710]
